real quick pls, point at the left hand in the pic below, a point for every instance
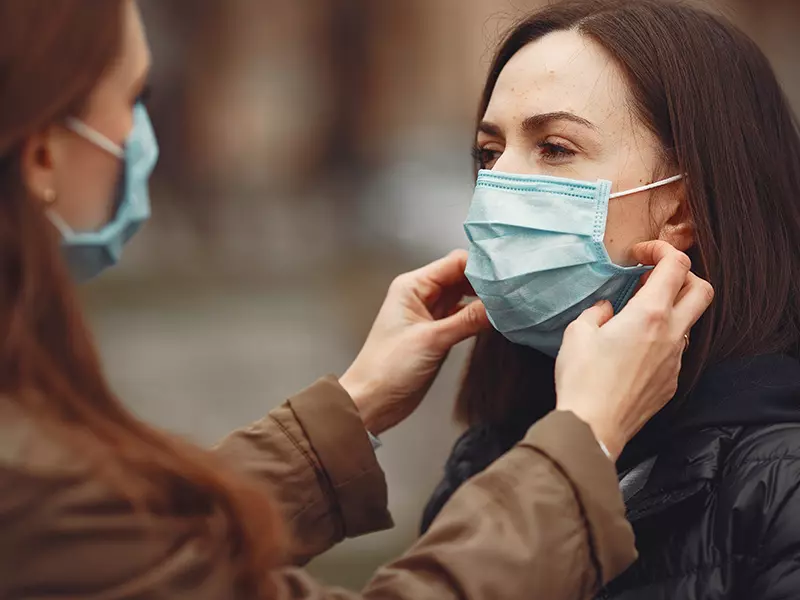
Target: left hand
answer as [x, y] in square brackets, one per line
[420, 320]
[617, 372]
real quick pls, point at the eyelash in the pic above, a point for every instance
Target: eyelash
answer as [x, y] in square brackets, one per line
[554, 153]
[483, 156]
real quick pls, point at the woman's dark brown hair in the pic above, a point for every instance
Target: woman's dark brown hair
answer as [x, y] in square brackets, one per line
[711, 97]
[52, 55]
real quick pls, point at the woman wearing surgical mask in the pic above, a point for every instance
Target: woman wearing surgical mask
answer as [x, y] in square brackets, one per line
[96, 504]
[604, 124]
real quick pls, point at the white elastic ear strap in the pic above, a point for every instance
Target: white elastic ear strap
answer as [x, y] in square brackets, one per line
[650, 186]
[94, 136]
[59, 223]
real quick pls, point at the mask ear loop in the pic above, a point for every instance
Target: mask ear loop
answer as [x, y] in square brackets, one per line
[98, 139]
[650, 186]
[63, 228]
[95, 137]
[644, 188]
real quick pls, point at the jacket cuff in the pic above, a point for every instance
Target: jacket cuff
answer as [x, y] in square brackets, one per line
[337, 435]
[571, 445]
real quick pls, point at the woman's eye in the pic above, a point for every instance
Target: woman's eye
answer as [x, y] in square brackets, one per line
[555, 152]
[484, 157]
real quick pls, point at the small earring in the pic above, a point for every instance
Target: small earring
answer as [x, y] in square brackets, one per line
[50, 196]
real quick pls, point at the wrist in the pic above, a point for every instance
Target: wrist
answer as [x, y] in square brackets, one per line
[362, 394]
[611, 441]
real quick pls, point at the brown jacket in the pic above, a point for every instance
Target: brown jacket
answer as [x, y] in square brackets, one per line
[545, 521]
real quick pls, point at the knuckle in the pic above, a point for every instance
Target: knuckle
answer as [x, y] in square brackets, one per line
[683, 260]
[470, 316]
[571, 329]
[399, 283]
[655, 316]
[575, 328]
[707, 290]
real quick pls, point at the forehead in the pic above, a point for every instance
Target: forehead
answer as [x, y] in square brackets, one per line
[562, 71]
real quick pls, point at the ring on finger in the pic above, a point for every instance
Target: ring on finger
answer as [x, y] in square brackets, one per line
[685, 342]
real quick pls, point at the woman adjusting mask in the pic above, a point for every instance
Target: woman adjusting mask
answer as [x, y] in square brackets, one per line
[101, 504]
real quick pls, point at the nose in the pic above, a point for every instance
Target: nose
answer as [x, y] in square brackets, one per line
[514, 160]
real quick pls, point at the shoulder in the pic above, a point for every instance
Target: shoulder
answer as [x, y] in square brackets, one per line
[758, 508]
[768, 454]
[759, 487]
[755, 447]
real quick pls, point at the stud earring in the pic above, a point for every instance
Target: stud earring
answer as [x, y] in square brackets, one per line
[50, 196]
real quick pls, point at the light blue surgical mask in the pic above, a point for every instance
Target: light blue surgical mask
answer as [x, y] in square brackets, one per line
[90, 253]
[537, 258]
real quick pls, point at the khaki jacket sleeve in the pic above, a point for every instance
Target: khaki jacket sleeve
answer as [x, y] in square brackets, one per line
[315, 454]
[546, 520]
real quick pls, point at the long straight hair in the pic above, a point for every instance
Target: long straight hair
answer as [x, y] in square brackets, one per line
[52, 55]
[711, 97]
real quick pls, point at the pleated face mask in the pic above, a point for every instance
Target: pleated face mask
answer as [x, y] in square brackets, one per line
[89, 253]
[537, 258]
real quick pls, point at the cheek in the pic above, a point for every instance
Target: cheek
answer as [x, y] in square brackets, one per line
[87, 189]
[628, 224]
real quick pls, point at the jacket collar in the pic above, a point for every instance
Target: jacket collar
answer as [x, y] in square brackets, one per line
[756, 390]
[679, 455]
[750, 391]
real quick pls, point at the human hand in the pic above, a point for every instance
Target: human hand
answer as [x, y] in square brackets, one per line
[421, 319]
[617, 372]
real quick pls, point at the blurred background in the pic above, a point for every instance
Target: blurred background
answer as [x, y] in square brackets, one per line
[311, 151]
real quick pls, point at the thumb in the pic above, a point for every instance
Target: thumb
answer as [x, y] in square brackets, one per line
[598, 315]
[464, 324]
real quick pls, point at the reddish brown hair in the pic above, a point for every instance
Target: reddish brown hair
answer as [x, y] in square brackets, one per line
[711, 97]
[52, 55]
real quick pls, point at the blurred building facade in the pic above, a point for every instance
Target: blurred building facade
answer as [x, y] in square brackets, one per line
[310, 151]
[333, 120]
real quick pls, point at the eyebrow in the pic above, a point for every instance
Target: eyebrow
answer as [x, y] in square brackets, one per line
[537, 122]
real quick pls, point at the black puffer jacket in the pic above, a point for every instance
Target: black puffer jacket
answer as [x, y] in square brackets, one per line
[714, 502]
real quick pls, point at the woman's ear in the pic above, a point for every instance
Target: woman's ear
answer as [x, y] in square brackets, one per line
[38, 166]
[675, 218]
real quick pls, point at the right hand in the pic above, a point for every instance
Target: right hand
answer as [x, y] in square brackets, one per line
[616, 372]
[422, 318]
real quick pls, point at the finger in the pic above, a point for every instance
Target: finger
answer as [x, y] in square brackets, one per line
[667, 279]
[598, 315]
[685, 289]
[447, 271]
[447, 304]
[694, 301]
[464, 324]
[440, 277]
[458, 307]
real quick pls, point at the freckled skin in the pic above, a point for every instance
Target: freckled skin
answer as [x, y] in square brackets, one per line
[567, 72]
